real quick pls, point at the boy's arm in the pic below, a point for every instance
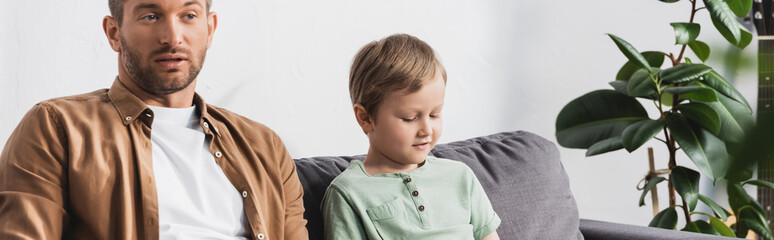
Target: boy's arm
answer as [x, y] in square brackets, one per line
[33, 179]
[483, 217]
[341, 221]
[492, 236]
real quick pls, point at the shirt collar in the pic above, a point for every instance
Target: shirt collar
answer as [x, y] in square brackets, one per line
[130, 107]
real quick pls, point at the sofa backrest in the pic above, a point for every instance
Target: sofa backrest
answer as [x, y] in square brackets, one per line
[520, 172]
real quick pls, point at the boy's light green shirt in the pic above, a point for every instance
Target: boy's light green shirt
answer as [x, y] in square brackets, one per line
[442, 199]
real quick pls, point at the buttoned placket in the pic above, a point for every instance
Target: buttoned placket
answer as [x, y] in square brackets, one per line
[416, 197]
[239, 182]
[143, 124]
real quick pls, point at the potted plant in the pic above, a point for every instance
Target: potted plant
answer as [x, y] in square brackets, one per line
[700, 114]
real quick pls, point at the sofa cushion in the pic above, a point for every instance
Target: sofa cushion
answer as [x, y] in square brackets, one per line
[520, 172]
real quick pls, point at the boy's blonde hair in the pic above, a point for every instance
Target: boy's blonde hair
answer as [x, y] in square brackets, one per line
[396, 63]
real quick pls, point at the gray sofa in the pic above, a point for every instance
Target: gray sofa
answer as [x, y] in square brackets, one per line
[524, 179]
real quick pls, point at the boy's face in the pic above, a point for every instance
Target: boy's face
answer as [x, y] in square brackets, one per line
[407, 126]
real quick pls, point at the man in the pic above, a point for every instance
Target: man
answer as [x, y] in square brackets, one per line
[147, 158]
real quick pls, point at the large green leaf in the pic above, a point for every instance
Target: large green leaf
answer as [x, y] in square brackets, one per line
[740, 7]
[693, 92]
[746, 38]
[760, 183]
[721, 227]
[638, 133]
[741, 229]
[716, 208]
[666, 219]
[651, 183]
[685, 32]
[756, 221]
[641, 84]
[684, 73]
[742, 162]
[691, 227]
[686, 182]
[607, 145]
[724, 20]
[701, 49]
[630, 52]
[735, 118]
[738, 199]
[717, 82]
[701, 114]
[700, 226]
[704, 149]
[655, 60]
[596, 116]
[620, 86]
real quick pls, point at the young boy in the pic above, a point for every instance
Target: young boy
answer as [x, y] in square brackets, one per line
[399, 192]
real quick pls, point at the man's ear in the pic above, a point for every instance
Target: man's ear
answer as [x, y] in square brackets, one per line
[110, 26]
[363, 119]
[212, 24]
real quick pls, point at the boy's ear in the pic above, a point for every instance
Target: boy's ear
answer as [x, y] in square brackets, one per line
[363, 119]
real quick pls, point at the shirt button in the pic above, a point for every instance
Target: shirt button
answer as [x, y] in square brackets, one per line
[218, 154]
[148, 115]
[206, 125]
[128, 118]
[244, 194]
[259, 236]
[421, 208]
[407, 180]
[415, 193]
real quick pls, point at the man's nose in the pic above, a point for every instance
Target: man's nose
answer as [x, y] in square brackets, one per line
[171, 33]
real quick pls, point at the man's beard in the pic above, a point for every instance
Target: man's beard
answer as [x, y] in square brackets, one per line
[153, 83]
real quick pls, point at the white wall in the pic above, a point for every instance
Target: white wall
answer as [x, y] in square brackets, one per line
[512, 65]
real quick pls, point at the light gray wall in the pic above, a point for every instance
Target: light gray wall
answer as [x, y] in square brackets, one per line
[512, 65]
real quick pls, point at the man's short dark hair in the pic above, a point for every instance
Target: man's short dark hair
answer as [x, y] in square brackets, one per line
[117, 9]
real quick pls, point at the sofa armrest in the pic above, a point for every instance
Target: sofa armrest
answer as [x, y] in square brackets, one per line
[593, 229]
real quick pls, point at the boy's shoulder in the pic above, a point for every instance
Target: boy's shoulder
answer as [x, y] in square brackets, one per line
[443, 164]
[353, 174]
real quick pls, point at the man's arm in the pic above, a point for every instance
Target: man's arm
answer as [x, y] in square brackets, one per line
[33, 177]
[295, 224]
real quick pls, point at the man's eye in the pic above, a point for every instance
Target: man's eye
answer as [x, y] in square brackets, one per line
[150, 17]
[190, 16]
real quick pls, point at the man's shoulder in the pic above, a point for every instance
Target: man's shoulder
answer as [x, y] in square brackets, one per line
[98, 96]
[240, 124]
[225, 115]
[73, 106]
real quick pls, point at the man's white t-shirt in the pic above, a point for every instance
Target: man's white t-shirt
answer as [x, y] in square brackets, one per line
[196, 199]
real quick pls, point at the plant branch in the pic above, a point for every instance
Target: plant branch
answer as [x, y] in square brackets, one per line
[670, 147]
[685, 211]
[676, 62]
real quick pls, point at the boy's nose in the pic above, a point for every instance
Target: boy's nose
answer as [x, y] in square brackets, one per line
[425, 129]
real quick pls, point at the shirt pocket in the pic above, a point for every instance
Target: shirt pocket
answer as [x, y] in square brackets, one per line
[388, 219]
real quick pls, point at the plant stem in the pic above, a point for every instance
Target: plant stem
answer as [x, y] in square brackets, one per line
[685, 210]
[675, 62]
